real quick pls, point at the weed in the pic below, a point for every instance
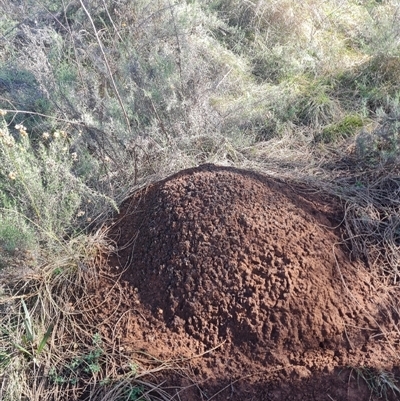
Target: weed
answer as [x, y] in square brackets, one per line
[31, 344]
[80, 367]
[379, 382]
[133, 394]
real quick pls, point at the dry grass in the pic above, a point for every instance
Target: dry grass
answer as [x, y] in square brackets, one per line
[50, 347]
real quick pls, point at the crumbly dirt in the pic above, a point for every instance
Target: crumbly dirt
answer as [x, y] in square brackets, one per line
[244, 283]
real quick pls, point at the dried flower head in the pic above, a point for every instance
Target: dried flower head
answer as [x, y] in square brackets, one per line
[45, 136]
[22, 130]
[12, 175]
[9, 141]
[80, 213]
[56, 134]
[2, 113]
[20, 127]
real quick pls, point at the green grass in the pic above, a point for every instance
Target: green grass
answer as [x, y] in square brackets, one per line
[349, 126]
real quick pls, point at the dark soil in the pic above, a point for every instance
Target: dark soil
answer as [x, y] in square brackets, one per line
[245, 283]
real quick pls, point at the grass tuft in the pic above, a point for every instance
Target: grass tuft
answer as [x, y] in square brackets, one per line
[379, 382]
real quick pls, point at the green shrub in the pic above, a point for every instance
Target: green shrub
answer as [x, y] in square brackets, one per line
[15, 233]
[22, 91]
[38, 184]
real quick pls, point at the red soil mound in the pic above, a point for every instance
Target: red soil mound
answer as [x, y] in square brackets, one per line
[217, 256]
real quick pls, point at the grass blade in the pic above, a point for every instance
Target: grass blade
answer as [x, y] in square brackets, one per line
[27, 323]
[45, 338]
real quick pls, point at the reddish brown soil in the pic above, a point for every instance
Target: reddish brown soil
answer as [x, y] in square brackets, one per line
[243, 280]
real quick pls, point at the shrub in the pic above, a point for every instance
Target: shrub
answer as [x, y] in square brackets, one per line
[37, 184]
[15, 233]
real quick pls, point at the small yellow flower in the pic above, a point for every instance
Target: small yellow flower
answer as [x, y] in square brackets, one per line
[63, 134]
[2, 113]
[12, 175]
[45, 136]
[56, 134]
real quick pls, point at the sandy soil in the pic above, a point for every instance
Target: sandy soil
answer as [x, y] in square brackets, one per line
[244, 283]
